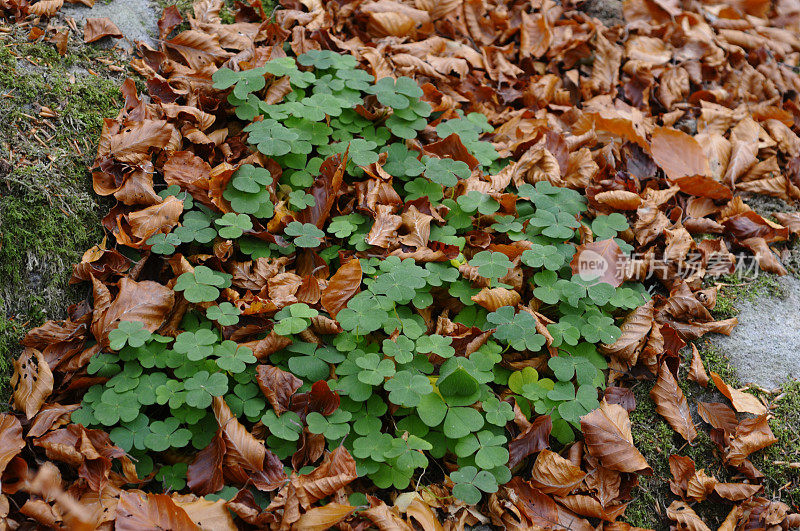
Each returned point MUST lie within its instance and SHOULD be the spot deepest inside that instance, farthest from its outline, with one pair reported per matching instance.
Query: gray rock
(136, 19)
(764, 348)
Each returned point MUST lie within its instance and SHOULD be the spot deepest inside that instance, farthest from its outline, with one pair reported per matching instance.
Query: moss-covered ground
(49, 214)
(779, 463)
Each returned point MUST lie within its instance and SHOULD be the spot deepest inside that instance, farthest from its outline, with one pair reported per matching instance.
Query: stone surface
(765, 347)
(136, 19)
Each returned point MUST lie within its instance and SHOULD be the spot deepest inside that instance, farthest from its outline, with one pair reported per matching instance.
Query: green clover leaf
(516, 330)
(306, 235)
(406, 388)
(287, 427)
(233, 357)
(196, 345)
(196, 226)
(233, 225)
(202, 284)
(498, 412)
(491, 264)
(332, 427)
(202, 386)
(546, 256)
(469, 482)
(374, 369)
(475, 201)
(167, 434)
(446, 172)
(132, 333)
(226, 314)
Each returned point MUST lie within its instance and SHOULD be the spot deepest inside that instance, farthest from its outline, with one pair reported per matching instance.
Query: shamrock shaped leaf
(114, 406)
(362, 152)
(406, 388)
(363, 314)
(294, 318)
(600, 329)
(477, 201)
(374, 447)
(226, 314)
(299, 200)
(402, 162)
(305, 235)
(173, 477)
(517, 330)
(543, 255)
(103, 364)
(332, 427)
(420, 187)
(287, 427)
(486, 447)
(271, 137)
(163, 243)
(132, 333)
(233, 225)
(435, 344)
(396, 94)
(446, 171)
(202, 284)
(491, 264)
(605, 227)
(344, 226)
(247, 191)
(243, 82)
(167, 434)
(172, 393)
(132, 434)
(196, 226)
(498, 412)
(564, 331)
(325, 59)
(202, 386)
(399, 279)
(374, 369)
(507, 224)
(559, 225)
(233, 357)
(461, 421)
(469, 482)
(196, 345)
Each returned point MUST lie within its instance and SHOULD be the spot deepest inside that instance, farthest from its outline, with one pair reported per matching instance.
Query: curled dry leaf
(325, 517)
(718, 415)
(278, 386)
(10, 439)
(147, 302)
(32, 382)
(345, 283)
(672, 405)
(686, 518)
(137, 510)
(750, 436)
(535, 438)
(742, 402)
(494, 298)
(607, 431)
(246, 459)
(697, 373)
(97, 28)
(204, 475)
(552, 474)
(678, 154)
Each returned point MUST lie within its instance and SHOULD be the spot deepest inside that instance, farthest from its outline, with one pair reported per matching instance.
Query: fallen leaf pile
(662, 123)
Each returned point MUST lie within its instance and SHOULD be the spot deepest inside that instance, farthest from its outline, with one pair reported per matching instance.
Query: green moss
(49, 214)
(779, 462)
(734, 289)
(656, 440)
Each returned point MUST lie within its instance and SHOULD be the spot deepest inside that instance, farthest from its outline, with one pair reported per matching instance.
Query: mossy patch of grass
(734, 289)
(49, 214)
(656, 440)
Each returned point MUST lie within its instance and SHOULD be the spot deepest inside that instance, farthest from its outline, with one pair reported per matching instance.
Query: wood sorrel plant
(407, 300)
